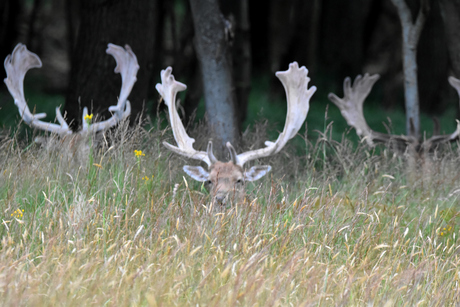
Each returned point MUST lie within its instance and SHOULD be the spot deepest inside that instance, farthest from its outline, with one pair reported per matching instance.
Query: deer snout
(221, 198)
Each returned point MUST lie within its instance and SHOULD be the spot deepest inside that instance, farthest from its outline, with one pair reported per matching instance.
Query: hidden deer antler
(351, 107)
(230, 177)
(21, 60)
(168, 89)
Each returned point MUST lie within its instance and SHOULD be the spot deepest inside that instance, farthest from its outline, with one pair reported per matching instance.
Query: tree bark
(9, 17)
(238, 13)
(433, 64)
(211, 44)
(343, 26)
(259, 12)
(186, 65)
(93, 82)
(411, 34)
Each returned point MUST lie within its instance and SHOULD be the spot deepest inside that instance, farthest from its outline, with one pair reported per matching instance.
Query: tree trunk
(259, 12)
(433, 64)
(9, 15)
(343, 26)
(213, 53)
(411, 34)
(238, 13)
(93, 82)
(303, 43)
(281, 30)
(186, 65)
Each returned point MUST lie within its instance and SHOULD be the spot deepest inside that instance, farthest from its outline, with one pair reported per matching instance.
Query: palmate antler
(295, 81)
(227, 178)
(351, 107)
(21, 60)
(168, 89)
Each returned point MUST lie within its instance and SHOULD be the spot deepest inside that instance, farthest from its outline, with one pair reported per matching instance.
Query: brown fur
(227, 181)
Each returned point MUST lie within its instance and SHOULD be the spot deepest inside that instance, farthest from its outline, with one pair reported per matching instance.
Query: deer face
(226, 180)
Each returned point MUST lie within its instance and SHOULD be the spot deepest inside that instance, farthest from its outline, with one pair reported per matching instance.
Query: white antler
(168, 89)
(455, 83)
(351, 107)
(21, 60)
(436, 139)
(127, 66)
(295, 81)
(16, 65)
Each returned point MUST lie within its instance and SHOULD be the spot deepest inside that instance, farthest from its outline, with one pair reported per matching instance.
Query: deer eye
(239, 181)
(208, 182)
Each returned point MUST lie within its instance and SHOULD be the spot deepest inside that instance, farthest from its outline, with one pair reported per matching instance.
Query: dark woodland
(225, 45)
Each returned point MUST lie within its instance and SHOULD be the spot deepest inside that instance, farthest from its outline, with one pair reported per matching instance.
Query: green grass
(341, 224)
(334, 223)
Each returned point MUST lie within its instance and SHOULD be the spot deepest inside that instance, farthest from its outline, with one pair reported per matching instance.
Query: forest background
(332, 38)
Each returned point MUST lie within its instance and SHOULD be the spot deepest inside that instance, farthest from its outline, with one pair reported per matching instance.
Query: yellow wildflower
(18, 213)
(139, 153)
(88, 117)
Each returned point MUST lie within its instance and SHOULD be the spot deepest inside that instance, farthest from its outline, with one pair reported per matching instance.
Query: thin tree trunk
(342, 27)
(411, 34)
(186, 65)
(313, 34)
(213, 54)
(70, 27)
(32, 22)
(93, 82)
(433, 63)
(238, 13)
(9, 15)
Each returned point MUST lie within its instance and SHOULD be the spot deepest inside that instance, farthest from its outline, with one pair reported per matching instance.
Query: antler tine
(168, 89)
(351, 105)
(127, 66)
(295, 81)
(16, 65)
(455, 83)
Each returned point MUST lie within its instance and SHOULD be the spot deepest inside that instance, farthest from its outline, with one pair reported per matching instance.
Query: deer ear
(196, 172)
(256, 172)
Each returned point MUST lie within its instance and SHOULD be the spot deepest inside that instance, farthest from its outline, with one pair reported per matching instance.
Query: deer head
(227, 179)
(351, 107)
(21, 60)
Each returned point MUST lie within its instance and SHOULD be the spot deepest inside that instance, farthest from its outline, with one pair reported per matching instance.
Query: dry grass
(333, 226)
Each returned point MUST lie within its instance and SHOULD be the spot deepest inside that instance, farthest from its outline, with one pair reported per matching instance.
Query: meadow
(338, 225)
(335, 223)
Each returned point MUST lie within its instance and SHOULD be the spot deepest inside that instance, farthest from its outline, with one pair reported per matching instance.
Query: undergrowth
(332, 224)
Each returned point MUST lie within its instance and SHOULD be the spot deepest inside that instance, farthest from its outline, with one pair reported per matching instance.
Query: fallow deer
(351, 107)
(227, 179)
(21, 60)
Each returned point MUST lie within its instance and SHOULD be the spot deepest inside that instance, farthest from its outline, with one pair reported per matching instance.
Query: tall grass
(333, 224)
